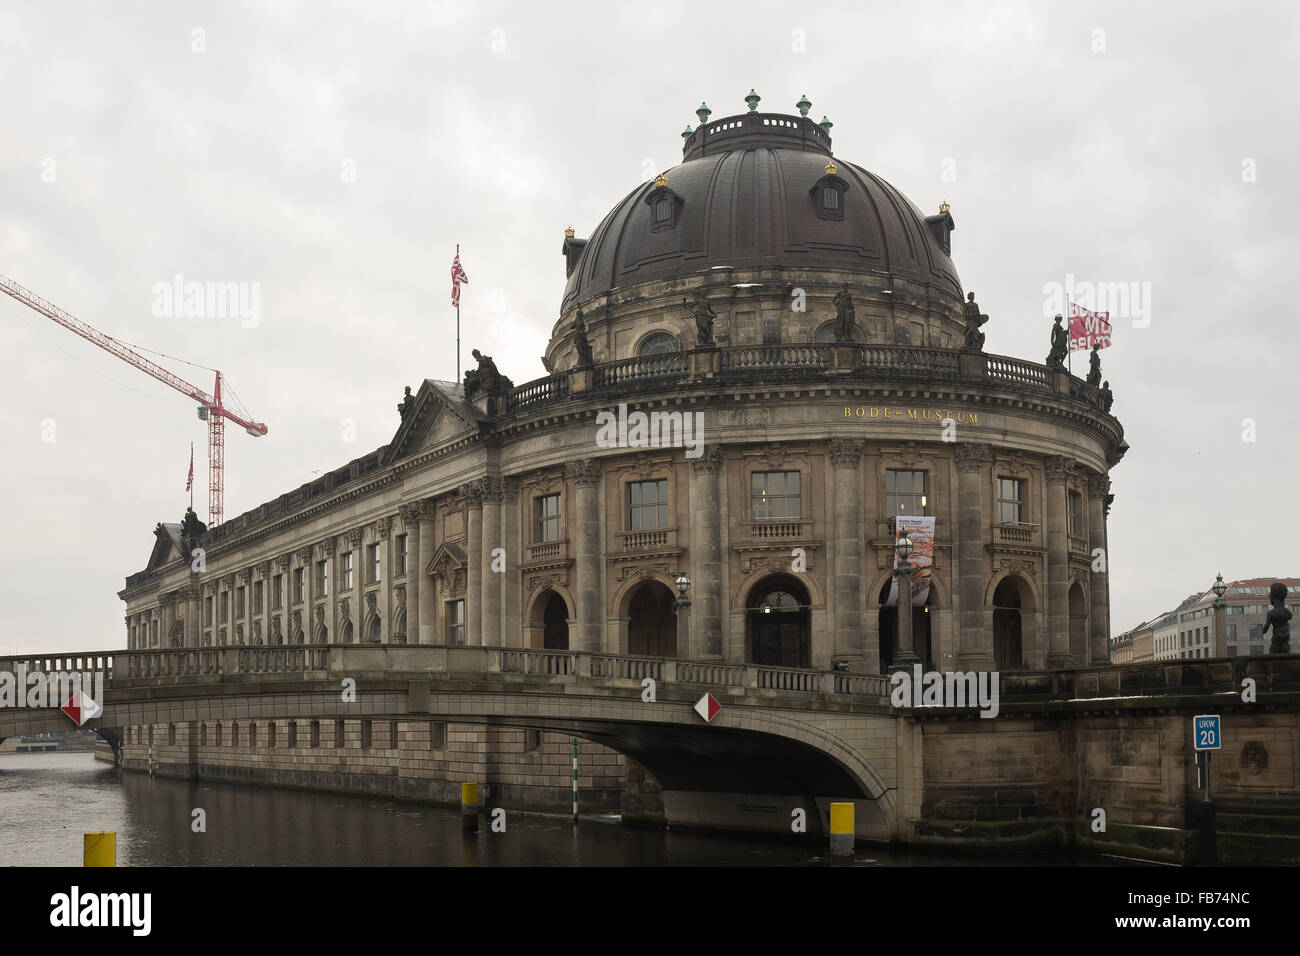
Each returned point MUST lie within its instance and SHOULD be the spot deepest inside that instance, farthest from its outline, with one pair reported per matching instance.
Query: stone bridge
(1063, 744)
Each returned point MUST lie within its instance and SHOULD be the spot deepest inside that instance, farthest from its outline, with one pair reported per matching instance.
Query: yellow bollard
(99, 849)
(842, 829)
(469, 806)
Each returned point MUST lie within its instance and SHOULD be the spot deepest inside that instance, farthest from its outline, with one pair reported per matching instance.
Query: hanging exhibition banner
(920, 529)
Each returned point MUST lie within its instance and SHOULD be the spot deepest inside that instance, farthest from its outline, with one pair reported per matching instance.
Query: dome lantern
(703, 113)
(804, 105)
(752, 99)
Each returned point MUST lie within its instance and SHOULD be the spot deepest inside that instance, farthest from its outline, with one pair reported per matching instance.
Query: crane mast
(211, 409)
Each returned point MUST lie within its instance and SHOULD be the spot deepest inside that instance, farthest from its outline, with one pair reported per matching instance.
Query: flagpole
(1069, 352)
(191, 482)
(458, 323)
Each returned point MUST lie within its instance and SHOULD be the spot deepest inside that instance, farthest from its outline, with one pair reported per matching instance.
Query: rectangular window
(437, 736)
(340, 733)
(153, 634)
(906, 493)
(322, 579)
(831, 198)
(401, 555)
(298, 574)
(366, 734)
(1256, 632)
(345, 574)
(224, 601)
(1257, 648)
(1011, 500)
(394, 740)
(532, 740)
(663, 212)
(775, 495)
(239, 602)
(1074, 513)
(277, 592)
(647, 505)
(257, 597)
(293, 735)
(456, 622)
(372, 564)
(546, 509)
(1232, 632)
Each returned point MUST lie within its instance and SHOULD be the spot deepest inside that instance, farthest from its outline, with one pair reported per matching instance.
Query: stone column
(331, 595)
(244, 579)
(512, 598)
(846, 462)
(384, 608)
(411, 527)
(308, 566)
(422, 615)
(586, 477)
(704, 641)
(192, 597)
(493, 579)
(1058, 565)
(264, 615)
(473, 494)
(284, 635)
(974, 640)
(1099, 592)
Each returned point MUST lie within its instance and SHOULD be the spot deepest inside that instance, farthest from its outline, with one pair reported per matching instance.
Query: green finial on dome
(826, 125)
(804, 105)
(752, 99)
(703, 113)
(686, 133)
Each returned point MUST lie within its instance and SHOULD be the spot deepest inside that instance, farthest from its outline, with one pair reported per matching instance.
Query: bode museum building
(763, 357)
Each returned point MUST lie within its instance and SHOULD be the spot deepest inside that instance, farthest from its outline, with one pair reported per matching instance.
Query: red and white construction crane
(211, 408)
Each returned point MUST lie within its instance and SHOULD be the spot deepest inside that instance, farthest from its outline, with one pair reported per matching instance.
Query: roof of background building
(1248, 590)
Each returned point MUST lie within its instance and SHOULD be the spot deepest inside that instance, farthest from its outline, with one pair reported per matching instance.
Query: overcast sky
(335, 153)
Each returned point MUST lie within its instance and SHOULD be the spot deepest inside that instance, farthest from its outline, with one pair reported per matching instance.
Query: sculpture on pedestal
(581, 343)
(1094, 367)
(1060, 346)
(704, 316)
(845, 316)
(974, 337)
(1279, 619)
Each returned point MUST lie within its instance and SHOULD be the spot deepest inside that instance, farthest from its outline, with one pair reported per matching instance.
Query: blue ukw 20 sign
(1205, 732)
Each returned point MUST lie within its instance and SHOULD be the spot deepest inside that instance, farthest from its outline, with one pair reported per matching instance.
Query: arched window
(658, 343)
(373, 632)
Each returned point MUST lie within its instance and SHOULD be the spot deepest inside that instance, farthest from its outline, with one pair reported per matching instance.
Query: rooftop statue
(1094, 367)
(485, 378)
(704, 316)
(581, 342)
(1279, 618)
(845, 316)
(404, 405)
(192, 529)
(1060, 346)
(974, 337)
(1107, 399)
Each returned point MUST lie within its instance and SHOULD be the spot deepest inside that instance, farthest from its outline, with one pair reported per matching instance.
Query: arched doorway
(922, 630)
(779, 632)
(555, 624)
(1078, 624)
(652, 622)
(1008, 625)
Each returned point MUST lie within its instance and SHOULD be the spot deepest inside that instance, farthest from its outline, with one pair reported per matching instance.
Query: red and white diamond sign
(707, 707)
(81, 707)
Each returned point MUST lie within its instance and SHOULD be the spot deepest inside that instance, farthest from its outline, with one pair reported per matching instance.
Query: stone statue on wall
(581, 343)
(1060, 346)
(974, 337)
(404, 405)
(1279, 619)
(704, 317)
(485, 378)
(846, 318)
(1107, 399)
(1094, 367)
(192, 531)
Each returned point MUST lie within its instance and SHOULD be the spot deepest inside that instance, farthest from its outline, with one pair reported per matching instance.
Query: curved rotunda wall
(745, 228)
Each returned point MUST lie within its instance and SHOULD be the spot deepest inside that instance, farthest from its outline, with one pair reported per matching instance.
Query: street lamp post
(682, 607)
(904, 656)
(1220, 618)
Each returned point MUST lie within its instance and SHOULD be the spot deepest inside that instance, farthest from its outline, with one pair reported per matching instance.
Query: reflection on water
(48, 800)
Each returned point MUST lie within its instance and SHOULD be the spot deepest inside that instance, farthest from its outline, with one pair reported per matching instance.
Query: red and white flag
(457, 277)
(1088, 328)
(189, 482)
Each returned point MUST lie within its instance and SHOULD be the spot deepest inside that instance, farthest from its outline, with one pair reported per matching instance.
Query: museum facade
(763, 357)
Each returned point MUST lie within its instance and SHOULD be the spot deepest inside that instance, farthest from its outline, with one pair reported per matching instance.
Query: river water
(48, 800)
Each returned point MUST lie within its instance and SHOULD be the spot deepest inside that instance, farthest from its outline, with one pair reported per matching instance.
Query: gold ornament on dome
(568, 233)
(831, 169)
(661, 180)
(943, 207)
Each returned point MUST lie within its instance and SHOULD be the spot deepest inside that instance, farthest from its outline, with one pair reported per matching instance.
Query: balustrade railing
(641, 367)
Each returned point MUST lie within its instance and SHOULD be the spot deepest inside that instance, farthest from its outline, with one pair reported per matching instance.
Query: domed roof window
(828, 194)
(658, 343)
(663, 203)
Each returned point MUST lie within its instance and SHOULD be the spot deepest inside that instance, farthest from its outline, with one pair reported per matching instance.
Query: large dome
(749, 195)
